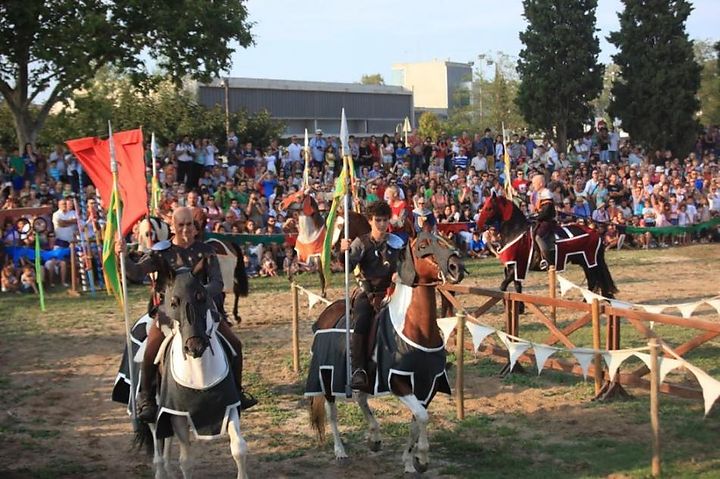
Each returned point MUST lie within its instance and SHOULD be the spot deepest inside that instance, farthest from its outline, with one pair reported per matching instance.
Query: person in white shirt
(210, 152)
(294, 151)
(185, 152)
(614, 144)
(479, 162)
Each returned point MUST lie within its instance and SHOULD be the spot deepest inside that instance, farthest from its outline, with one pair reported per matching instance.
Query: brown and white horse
(408, 356)
(312, 230)
(519, 254)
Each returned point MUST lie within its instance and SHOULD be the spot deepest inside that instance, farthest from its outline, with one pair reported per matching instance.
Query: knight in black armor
(185, 250)
(545, 216)
(377, 262)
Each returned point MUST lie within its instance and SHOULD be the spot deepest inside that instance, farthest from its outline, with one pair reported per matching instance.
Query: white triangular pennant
(614, 359)
(653, 308)
(447, 325)
(584, 357)
(478, 333)
(503, 337)
(565, 285)
(667, 365)
(617, 304)
(542, 354)
(710, 386)
(686, 309)
(644, 358)
(515, 350)
(313, 299)
(589, 295)
(715, 303)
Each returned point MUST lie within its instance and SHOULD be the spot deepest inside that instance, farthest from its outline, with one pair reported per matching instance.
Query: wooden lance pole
(295, 327)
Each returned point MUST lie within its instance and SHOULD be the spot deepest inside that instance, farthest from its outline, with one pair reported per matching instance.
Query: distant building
(434, 84)
(370, 109)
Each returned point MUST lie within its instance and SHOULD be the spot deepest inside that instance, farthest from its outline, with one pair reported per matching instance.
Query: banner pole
(123, 279)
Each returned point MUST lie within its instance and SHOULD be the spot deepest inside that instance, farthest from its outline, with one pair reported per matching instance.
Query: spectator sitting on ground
(9, 279)
(28, 284)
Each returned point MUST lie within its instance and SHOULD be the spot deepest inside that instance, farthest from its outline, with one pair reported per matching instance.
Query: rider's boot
(359, 362)
(247, 400)
(146, 406)
(545, 259)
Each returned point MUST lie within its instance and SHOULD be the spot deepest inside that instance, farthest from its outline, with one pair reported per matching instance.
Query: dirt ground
(57, 371)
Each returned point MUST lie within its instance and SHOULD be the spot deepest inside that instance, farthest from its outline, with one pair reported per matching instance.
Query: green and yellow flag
(110, 271)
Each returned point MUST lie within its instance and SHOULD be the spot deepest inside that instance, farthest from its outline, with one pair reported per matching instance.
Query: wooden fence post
(73, 271)
(460, 365)
(654, 406)
(295, 327)
(595, 311)
(552, 289)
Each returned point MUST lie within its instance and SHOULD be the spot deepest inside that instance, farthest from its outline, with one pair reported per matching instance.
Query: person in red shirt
(520, 184)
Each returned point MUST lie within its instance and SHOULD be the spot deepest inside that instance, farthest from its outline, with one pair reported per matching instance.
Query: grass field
(57, 370)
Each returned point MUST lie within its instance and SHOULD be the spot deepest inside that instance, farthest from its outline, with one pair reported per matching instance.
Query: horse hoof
(342, 461)
(375, 446)
(419, 467)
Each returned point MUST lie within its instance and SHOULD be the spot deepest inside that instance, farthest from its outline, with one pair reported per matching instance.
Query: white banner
(565, 285)
(542, 354)
(614, 359)
(584, 357)
(710, 386)
(687, 309)
(478, 333)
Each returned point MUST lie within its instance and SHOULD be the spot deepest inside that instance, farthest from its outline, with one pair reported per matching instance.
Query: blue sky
(340, 40)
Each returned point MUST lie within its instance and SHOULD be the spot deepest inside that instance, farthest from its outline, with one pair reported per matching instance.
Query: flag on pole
(94, 155)
(110, 272)
(306, 158)
(39, 272)
(338, 195)
(509, 190)
(155, 184)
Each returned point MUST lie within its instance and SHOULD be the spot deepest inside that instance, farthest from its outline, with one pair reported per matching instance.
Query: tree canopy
(51, 47)
(374, 79)
(706, 54)
(559, 70)
(655, 96)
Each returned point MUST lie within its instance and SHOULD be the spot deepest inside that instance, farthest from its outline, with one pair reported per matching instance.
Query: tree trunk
(562, 137)
(25, 128)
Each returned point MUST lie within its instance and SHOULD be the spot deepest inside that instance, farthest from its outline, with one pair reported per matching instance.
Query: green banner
(674, 230)
(242, 239)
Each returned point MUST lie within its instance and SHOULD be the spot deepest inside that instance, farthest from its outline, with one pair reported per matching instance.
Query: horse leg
(407, 455)
(236, 316)
(166, 458)
(181, 430)
(518, 289)
(158, 446)
(331, 412)
(323, 285)
(420, 459)
(508, 278)
(238, 446)
(374, 440)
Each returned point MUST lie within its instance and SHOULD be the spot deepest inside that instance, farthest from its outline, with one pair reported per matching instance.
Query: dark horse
(229, 254)
(312, 230)
(197, 390)
(408, 352)
(575, 243)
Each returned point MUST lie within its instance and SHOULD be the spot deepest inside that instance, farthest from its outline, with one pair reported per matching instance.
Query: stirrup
(146, 409)
(247, 400)
(359, 379)
(544, 264)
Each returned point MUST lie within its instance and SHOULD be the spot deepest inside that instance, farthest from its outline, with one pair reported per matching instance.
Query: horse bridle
(420, 251)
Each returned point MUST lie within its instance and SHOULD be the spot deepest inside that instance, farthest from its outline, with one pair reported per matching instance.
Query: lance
(346, 227)
(123, 277)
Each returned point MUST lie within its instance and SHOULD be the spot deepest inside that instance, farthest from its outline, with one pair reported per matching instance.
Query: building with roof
(370, 109)
(434, 83)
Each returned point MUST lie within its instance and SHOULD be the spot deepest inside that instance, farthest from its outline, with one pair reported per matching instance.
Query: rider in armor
(184, 251)
(545, 217)
(377, 261)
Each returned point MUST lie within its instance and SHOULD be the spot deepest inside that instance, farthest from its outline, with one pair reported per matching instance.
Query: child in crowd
(476, 246)
(9, 279)
(268, 267)
(27, 280)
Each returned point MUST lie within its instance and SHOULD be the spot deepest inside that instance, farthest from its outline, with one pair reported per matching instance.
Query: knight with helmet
(545, 218)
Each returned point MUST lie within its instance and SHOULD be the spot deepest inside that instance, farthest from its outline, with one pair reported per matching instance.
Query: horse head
(428, 260)
(187, 303)
(495, 208)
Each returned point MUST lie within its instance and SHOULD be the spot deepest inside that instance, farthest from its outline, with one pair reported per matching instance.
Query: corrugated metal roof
(270, 84)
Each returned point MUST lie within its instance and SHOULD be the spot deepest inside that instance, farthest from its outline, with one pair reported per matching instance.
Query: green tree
(602, 102)
(374, 79)
(655, 96)
(706, 54)
(52, 47)
(558, 66)
(429, 125)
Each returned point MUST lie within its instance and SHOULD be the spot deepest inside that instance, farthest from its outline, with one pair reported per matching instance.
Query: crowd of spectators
(602, 179)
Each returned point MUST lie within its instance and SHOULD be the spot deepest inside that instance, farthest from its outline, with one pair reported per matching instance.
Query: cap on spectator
(318, 131)
(566, 201)
(659, 169)
(600, 205)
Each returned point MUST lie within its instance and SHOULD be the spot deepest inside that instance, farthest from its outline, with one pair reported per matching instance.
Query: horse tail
(607, 283)
(143, 439)
(242, 284)
(318, 416)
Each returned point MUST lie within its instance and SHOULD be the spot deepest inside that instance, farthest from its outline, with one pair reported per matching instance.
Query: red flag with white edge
(94, 155)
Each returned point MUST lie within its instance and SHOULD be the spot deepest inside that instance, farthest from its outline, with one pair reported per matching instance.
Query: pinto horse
(408, 356)
(312, 230)
(230, 258)
(519, 253)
